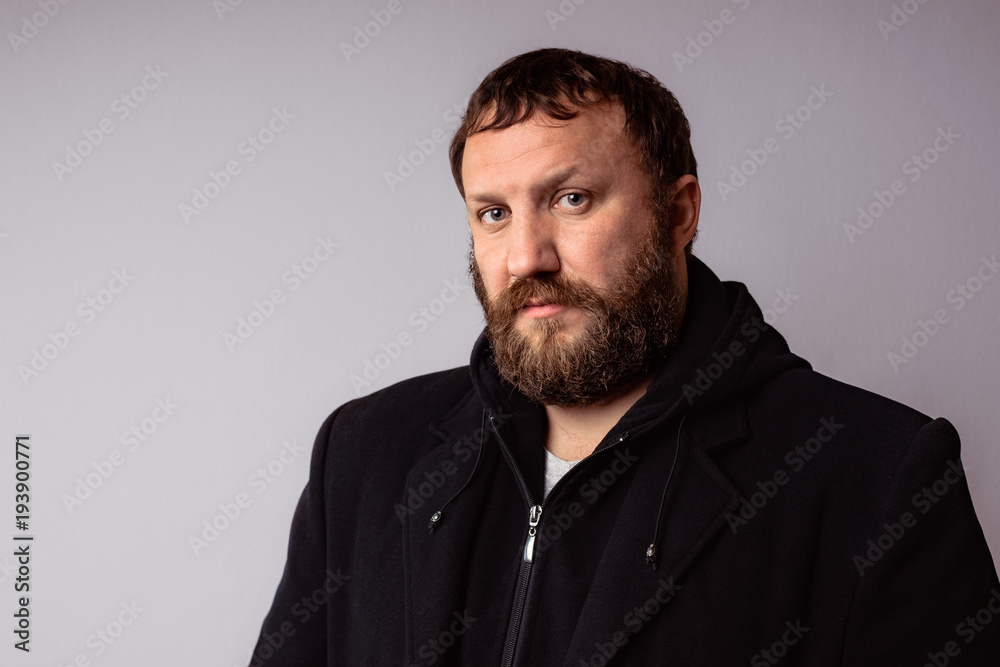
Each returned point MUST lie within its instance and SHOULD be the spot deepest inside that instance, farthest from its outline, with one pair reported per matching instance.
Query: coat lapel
(435, 571)
(462, 570)
(437, 566)
(696, 506)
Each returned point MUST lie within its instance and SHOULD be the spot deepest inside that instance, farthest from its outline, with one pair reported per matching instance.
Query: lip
(537, 310)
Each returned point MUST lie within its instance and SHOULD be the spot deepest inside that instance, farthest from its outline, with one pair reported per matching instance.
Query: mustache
(555, 289)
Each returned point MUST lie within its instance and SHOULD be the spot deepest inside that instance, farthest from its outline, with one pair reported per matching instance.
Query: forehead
(592, 140)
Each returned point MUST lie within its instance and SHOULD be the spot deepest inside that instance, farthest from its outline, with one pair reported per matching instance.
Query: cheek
(624, 239)
(594, 257)
(492, 269)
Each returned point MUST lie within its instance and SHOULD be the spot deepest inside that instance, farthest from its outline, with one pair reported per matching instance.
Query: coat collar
(696, 503)
(696, 507)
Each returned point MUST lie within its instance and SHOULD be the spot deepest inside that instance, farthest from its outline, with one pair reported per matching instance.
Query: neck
(575, 432)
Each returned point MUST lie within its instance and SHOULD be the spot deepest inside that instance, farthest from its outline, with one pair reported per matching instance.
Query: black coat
(745, 510)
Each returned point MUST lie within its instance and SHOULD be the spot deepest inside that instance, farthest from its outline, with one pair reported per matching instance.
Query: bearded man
(634, 469)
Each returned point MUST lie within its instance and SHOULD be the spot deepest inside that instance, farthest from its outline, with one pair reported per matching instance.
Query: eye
(573, 200)
(493, 215)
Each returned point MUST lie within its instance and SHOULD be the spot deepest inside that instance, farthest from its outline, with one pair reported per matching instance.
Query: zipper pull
(534, 516)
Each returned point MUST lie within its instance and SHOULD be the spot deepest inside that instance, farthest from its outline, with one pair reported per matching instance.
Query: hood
(725, 349)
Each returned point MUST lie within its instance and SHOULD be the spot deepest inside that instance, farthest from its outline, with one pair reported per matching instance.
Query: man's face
(573, 272)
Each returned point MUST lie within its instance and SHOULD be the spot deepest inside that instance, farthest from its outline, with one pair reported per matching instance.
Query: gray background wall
(346, 122)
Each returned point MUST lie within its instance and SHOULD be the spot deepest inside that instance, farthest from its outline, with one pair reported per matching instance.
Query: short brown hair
(559, 82)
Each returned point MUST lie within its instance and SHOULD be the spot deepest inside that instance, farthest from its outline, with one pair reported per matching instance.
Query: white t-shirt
(555, 468)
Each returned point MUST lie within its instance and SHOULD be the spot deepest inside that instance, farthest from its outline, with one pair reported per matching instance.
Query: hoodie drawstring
(438, 516)
(652, 551)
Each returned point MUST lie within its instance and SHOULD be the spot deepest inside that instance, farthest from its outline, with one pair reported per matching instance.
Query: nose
(531, 246)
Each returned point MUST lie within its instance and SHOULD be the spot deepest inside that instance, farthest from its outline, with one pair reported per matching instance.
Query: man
(634, 469)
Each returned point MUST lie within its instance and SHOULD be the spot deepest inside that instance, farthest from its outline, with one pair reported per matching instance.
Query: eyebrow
(547, 183)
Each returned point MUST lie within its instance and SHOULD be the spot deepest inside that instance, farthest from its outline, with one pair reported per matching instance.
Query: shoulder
(395, 426)
(422, 398)
(805, 393)
(848, 440)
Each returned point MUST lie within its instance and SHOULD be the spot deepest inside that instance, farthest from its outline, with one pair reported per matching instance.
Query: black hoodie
(745, 510)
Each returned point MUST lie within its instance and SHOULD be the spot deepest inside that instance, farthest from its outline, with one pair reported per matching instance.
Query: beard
(625, 332)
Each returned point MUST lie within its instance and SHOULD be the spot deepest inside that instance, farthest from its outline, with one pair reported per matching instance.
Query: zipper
(524, 573)
(534, 518)
(523, 577)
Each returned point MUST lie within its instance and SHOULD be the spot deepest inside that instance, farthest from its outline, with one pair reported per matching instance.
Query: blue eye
(574, 199)
(493, 215)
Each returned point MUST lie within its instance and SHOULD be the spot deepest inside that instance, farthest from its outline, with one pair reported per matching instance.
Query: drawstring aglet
(435, 520)
(651, 556)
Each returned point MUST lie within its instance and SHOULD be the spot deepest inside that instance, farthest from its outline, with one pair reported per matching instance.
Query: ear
(687, 197)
